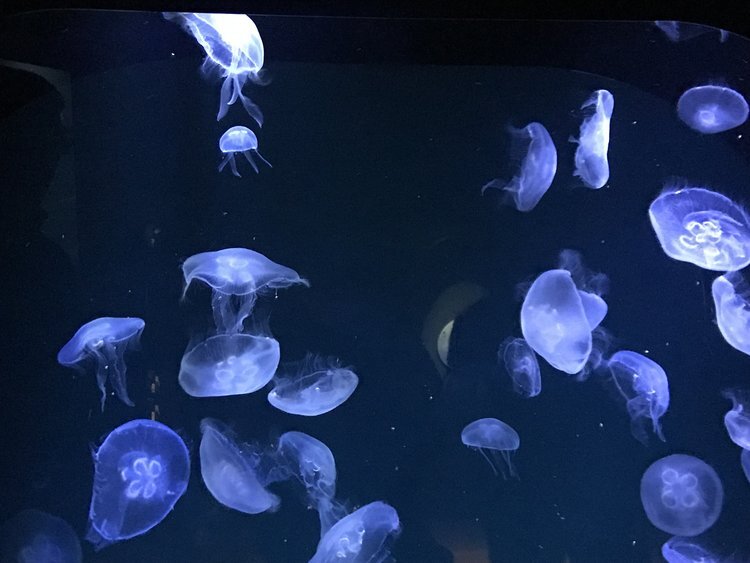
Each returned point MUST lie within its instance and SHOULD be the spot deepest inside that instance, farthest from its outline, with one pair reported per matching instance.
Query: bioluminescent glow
(731, 294)
(712, 109)
(591, 161)
(239, 140)
(522, 366)
(495, 440)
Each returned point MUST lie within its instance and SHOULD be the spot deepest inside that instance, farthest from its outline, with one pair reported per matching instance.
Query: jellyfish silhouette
(712, 109)
(33, 536)
(493, 436)
(239, 140)
(104, 340)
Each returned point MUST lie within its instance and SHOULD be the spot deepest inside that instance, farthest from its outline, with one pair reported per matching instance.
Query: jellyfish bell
(731, 295)
(496, 438)
(239, 140)
(591, 161)
(712, 109)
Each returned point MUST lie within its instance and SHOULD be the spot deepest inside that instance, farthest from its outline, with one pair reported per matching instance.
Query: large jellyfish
(522, 366)
(494, 437)
(233, 47)
(737, 420)
(591, 286)
(730, 293)
(537, 170)
(104, 341)
(712, 109)
(239, 139)
(229, 364)
(702, 227)
(237, 276)
(33, 536)
(361, 537)
(141, 471)
(591, 162)
(312, 387)
(685, 550)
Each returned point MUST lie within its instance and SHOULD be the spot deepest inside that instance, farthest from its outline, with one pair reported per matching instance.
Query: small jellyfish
(677, 31)
(313, 386)
(522, 366)
(745, 463)
(644, 386)
(737, 420)
(229, 364)
(712, 109)
(363, 536)
(494, 437)
(537, 170)
(730, 293)
(239, 139)
(682, 495)
(702, 227)
(104, 340)
(233, 472)
(685, 550)
(140, 471)
(591, 163)
(237, 276)
(33, 536)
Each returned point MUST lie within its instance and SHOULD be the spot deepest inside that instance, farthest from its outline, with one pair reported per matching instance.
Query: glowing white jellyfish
(591, 162)
(712, 109)
(239, 140)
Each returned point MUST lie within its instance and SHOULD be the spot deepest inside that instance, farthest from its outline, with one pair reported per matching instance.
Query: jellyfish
(537, 170)
(730, 293)
(140, 471)
(644, 386)
(237, 276)
(745, 463)
(33, 536)
(229, 364)
(591, 286)
(737, 420)
(234, 473)
(313, 387)
(712, 109)
(677, 31)
(361, 537)
(104, 340)
(522, 366)
(685, 550)
(239, 139)
(702, 227)
(591, 164)
(494, 437)
(233, 48)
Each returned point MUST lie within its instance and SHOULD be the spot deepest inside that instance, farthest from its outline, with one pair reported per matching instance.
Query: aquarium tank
(288, 288)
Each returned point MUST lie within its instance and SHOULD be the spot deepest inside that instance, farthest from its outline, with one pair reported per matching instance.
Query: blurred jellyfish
(730, 293)
(737, 420)
(745, 462)
(522, 366)
(361, 537)
(234, 473)
(233, 48)
(712, 109)
(33, 536)
(537, 170)
(140, 471)
(677, 31)
(494, 437)
(104, 340)
(312, 387)
(239, 139)
(644, 386)
(685, 550)
(702, 227)
(237, 276)
(591, 161)
(682, 495)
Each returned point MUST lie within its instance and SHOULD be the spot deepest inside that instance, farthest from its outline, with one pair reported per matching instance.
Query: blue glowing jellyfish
(702, 227)
(591, 162)
(685, 550)
(745, 462)
(712, 109)
(361, 537)
(140, 471)
(591, 286)
(33, 536)
(677, 31)
(737, 420)
(537, 170)
(234, 473)
(104, 342)
(522, 366)
(233, 48)
(229, 364)
(682, 495)
(494, 437)
(237, 276)
(239, 139)
(314, 386)
(644, 386)
(730, 293)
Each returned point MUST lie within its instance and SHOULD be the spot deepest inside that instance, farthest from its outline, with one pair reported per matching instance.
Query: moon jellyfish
(730, 293)
(737, 420)
(537, 170)
(104, 341)
(494, 437)
(591, 164)
(644, 386)
(712, 109)
(745, 462)
(361, 537)
(233, 48)
(315, 386)
(33, 536)
(684, 550)
(522, 366)
(682, 495)
(677, 31)
(591, 286)
(239, 139)
(234, 472)
(140, 471)
(237, 276)
(702, 227)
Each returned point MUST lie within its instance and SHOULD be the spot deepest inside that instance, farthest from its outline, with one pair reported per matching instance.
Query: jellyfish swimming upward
(591, 161)
(239, 140)
(494, 437)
